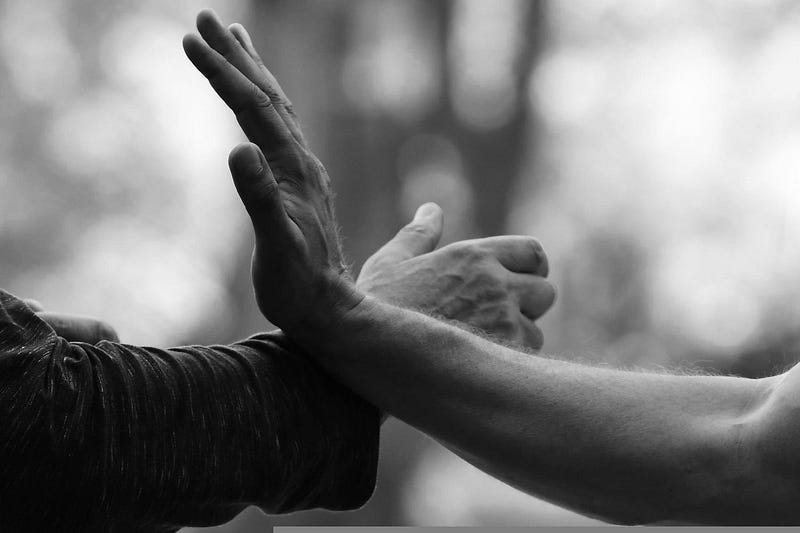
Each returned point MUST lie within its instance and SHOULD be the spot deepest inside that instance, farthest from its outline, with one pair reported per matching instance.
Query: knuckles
(254, 101)
(490, 297)
(487, 284)
(482, 278)
(473, 287)
(466, 253)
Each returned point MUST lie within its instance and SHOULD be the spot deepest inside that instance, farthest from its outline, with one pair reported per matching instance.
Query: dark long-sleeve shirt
(122, 438)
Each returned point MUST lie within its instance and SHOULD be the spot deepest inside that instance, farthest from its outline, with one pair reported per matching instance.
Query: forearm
(625, 446)
(114, 436)
(222, 427)
(603, 443)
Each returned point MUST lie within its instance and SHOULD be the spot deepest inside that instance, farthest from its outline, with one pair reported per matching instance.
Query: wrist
(333, 306)
(383, 291)
(334, 333)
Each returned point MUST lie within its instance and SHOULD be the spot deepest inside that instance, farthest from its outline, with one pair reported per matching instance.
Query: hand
(496, 285)
(299, 285)
(299, 271)
(75, 328)
(226, 57)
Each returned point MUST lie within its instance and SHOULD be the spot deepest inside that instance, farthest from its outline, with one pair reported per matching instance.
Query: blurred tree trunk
(306, 43)
(493, 158)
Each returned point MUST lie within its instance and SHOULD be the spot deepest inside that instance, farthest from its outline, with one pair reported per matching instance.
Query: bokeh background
(652, 145)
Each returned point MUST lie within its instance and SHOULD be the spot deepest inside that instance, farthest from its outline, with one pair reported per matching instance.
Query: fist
(496, 285)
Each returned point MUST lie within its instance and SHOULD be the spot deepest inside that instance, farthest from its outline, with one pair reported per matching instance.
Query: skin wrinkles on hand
(407, 270)
(625, 446)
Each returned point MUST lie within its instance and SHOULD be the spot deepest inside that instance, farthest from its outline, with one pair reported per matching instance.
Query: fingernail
(248, 160)
(426, 210)
(242, 31)
(246, 36)
(211, 14)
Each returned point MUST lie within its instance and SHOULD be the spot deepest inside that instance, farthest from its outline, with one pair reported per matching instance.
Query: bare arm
(623, 446)
(627, 447)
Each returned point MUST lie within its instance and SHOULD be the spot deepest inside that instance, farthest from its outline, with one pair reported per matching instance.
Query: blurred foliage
(651, 145)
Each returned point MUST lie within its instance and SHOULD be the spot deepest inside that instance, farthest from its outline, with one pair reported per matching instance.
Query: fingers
(518, 253)
(224, 43)
(418, 237)
(247, 61)
(269, 84)
(253, 109)
(78, 328)
(259, 191)
(535, 294)
(75, 328)
(273, 88)
(33, 304)
(532, 336)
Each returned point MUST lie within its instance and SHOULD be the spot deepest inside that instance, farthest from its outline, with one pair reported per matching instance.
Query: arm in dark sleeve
(124, 438)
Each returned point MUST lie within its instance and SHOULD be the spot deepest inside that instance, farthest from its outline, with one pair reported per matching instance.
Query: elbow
(744, 469)
(748, 481)
(717, 479)
(738, 468)
(768, 460)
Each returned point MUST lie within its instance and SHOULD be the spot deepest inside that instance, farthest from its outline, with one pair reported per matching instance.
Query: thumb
(75, 328)
(258, 190)
(33, 304)
(418, 237)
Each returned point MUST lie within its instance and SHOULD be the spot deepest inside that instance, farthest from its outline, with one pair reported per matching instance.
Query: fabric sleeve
(113, 437)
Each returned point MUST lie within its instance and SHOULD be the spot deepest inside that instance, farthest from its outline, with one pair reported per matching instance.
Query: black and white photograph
(404, 263)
